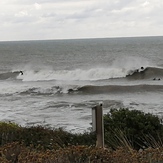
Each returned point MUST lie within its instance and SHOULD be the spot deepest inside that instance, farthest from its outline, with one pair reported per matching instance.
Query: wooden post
(98, 126)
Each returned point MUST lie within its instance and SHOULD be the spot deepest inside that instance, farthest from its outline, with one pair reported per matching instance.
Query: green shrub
(131, 127)
(8, 132)
(42, 138)
(85, 138)
(54, 138)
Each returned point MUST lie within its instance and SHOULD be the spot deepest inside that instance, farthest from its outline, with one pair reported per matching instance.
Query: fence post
(98, 124)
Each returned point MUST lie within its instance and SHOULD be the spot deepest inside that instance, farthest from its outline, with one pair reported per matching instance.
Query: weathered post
(97, 124)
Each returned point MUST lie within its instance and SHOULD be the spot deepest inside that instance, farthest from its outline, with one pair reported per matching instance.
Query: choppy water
(63, 79)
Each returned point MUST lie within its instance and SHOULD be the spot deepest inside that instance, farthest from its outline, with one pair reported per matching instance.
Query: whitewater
(63, 79)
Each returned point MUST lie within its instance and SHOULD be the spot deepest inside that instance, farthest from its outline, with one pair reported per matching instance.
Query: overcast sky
(67, 19)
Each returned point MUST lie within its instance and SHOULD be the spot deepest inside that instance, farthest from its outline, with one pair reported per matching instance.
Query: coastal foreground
(133, 136)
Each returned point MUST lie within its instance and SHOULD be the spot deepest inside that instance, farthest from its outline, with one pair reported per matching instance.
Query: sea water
(63, 79)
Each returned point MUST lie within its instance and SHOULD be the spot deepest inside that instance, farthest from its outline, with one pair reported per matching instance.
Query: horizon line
(86, 38)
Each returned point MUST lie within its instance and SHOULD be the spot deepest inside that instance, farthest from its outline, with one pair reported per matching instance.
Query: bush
(133, 128)
(123, 128)
(42, 138)
(8, 132)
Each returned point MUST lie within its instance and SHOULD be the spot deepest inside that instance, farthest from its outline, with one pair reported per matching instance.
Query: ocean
(62, 80)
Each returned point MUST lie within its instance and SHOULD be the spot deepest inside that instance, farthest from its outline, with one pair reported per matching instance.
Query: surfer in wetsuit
(139, 70)
(21, 72)
(142, 68)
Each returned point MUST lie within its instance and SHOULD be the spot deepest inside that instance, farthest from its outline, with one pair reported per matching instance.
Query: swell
(120, 89)
(87, 89)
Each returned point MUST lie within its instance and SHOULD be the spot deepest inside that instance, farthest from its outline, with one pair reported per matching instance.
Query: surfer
(139, 70)
(21, 72)
(142, 70)
(156, 79)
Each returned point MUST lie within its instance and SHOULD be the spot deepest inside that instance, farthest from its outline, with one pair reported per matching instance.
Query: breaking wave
(9, 75)
(48, 91)
(92, 74)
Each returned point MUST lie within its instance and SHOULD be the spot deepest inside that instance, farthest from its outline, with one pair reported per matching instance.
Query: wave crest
(70, 75)
(92, 74)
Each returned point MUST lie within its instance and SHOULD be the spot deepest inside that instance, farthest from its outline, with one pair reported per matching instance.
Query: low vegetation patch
(130, 136)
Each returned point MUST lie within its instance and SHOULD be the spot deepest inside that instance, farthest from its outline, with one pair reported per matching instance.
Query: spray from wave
(93, 74)
(78, 74)
(118, 68)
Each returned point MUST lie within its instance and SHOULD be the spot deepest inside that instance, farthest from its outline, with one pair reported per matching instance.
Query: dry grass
(18, 153)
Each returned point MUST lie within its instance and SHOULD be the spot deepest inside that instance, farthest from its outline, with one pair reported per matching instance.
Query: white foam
(9, 87)
(72, 75)
(117, 69)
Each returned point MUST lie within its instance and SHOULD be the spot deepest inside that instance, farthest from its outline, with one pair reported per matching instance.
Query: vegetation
(130, 136)
(41, 137)
(137, 129)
